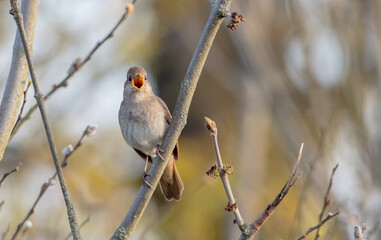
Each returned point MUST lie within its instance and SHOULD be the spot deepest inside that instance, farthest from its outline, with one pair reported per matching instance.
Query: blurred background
(295, 71)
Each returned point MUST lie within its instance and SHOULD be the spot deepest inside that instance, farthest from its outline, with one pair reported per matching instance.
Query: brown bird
(144, 119)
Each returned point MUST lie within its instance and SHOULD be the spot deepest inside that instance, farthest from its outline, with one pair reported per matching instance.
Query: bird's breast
(143, 127)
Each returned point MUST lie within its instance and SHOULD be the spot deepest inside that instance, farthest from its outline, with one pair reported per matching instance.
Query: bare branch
(80, 226)
(326, 200)
(18, 73)
(41, 105)
(359, 231)
(22, 107)
(50, 182)
(77, 65)
(178, 122)
(329, 216)
(232, 204)
(10, 172)
(261, 219)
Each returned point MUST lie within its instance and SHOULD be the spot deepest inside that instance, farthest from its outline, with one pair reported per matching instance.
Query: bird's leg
(145, 174)
(159, 150)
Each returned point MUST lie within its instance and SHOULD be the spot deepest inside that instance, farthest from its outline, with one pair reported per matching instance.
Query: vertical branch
(17, 75)
(179, 119)
(41, 104)
(326, 200)
(223, 171)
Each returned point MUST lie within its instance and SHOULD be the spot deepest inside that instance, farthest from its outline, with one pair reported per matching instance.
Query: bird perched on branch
(144, 119)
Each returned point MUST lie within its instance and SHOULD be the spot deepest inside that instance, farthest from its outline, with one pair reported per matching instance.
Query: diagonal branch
(326, 200)
(76, 66)
(10, 172)
(261, 219)
(41, 104)
(179, 119)
(90, 130)
(311, 229)
(223, 173)
(22, 107)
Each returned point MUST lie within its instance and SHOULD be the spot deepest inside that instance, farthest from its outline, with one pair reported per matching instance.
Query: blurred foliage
(295, 71)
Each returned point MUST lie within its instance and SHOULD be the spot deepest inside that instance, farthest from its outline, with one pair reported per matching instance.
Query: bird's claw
(145, 181)
(159, 150)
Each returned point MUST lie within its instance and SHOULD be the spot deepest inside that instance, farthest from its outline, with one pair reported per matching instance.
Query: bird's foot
(145, 175)
(159, 150)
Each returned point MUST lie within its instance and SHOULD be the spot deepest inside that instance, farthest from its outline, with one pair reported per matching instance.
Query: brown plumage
(144, 119)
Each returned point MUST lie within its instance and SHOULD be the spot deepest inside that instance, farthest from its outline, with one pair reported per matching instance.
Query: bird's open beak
(138, 82)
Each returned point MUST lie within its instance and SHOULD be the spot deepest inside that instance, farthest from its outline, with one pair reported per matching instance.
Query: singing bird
(144, 119)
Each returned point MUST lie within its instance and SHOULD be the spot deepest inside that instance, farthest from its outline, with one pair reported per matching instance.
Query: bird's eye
(145, 78)
(129, 78)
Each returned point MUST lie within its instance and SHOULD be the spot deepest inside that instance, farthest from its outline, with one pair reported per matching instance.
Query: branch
(80, 226)
(359, 231)
(89, 131)
(223, 171)
(22, 107)
(8, 173)
(178, 122)
(261, 219)
(15, 11)
(326, 200)
(329, 216)
(77, 65)
(18, 73)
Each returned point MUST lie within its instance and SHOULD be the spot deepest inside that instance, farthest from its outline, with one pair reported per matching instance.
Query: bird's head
(136, 82)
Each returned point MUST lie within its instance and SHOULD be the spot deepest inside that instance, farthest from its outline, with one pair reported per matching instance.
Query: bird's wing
(168, 118)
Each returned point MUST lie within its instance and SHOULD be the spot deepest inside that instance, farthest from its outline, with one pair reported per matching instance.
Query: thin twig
(359, 231)
(232, 204)
(326, 200)
(311, 229)
(76, 66)
(187, 89)
(253, 228)
(22, 106)
(10, 172)
(41, 105)
(80, 226)
(51, 181)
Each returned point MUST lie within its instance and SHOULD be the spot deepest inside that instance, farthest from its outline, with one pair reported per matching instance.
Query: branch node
(75, 66)
(67, 150)
(228, 169)
(235, 20)
(231, 206)
(211, 126)
(91, 130)
(214, 171)
(130, 8)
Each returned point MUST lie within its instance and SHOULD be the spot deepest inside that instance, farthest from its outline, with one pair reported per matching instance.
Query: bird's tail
(170, 182)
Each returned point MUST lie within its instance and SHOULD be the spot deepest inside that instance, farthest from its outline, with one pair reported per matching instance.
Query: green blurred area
(295, 71)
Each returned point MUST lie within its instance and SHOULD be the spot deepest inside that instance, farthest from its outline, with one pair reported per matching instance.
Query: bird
(144, 119)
